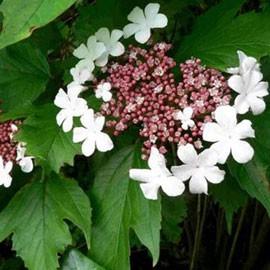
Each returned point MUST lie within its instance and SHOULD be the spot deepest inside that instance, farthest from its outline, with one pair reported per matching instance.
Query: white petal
(257, 105)
(26, 164)
(7, 180)
(151, 10)
(88, 146)
(242, 151)
(131, 29)
(1, 164)
(244, 130)
(159, 21)
(117, 50)
(106, 86)
(150, 190)
(208, 158)
(88, 119)
(143, 36)
(80, 107)
(99, 123)
(222, 149)
(60, 117)
(236, 83)
(104, 142)
(8, 167)
(156, 160)
(103, 35)
(214, 174)
(233, 70)
(102, 60)
(241, 105)
(198, 184)
(187, 154)
(136, 15)
(261, 89)
(79, 134)
(212, 132)
(107, 96)
(188, 111)
(61, 99)
(183, 172)
(86, 64)
(68, 124)
(81, 52)
(142, 175)
(226, 117)
(172, 186)
(116, 35)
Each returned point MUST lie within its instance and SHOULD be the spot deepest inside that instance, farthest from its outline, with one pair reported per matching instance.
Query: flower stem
(236, 238)
(196, 240)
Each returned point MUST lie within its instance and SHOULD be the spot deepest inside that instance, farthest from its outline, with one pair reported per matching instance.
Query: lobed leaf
(35, 218)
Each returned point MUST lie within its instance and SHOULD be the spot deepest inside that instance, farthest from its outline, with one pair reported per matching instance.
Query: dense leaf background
(74, 213)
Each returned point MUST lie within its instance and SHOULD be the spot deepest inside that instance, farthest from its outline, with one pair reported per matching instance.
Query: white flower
(185, 117)
(228, 136)
(91, 134)
(103, 91)
(246, 63)
(157, 176)
(112, 44)
(199, 168)
(26, 163)
(143, 22)
(81, 74)
(251, 91)
(5, 169)
(71, 105)
(88, 54)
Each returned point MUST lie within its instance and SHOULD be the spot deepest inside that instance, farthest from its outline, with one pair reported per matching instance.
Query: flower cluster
(225, 133)
(145, 92)
(95, 53)
(11, 152)
(139, 87)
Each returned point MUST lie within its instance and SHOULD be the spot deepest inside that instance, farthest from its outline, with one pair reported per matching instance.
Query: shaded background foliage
(229, 229)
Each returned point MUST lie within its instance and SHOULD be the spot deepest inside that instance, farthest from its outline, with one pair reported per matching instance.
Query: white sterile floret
(247, 82)
(89, 53)
(91, 134)
(112, 44)
(81, 74)
(25, 162)
(157, 176)
(143, 22)
(228, 136)
(251, 90)
(246, 63)
(185, 117)
(71, 106)
(5, 169)
(199, 168)
(103, 91)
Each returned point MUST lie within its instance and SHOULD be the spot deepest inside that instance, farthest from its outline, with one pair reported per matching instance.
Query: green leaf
(45, 139)
(119, 206)
(21, 18)
(252, 177)
(174, 211)
(103, 13)
(219, 33)
(35, 218)
(77, 261)
(230, 197)
(24, 72)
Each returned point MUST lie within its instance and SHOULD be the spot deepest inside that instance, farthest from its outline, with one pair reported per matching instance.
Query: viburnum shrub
(150, 112)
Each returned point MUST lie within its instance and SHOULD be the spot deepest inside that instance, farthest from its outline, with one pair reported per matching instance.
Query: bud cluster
(145, 92)
(8, 148)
